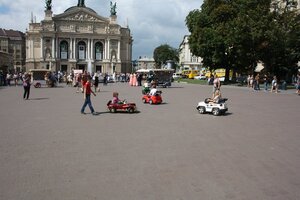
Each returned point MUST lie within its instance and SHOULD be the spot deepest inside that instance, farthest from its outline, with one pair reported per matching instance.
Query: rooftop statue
(113, 8)
(48, 4)
(80, 3)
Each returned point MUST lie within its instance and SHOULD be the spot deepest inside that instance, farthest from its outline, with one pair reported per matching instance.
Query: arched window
(64, 50)
(81, 50)
(99, 51)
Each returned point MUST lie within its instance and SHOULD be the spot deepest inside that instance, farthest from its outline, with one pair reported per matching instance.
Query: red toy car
(128, 107)
(154, 99)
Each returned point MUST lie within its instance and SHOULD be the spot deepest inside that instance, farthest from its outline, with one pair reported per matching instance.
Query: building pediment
(80, 14)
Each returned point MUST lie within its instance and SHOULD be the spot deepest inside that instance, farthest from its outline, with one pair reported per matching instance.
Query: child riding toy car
(153, 98)
(121, 106)
(117, 105)
(216, 108)
(146, 88)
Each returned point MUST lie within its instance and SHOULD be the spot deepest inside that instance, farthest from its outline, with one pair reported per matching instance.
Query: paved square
(48, 150)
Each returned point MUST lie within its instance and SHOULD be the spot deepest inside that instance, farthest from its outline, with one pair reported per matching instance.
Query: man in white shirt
(153, 91)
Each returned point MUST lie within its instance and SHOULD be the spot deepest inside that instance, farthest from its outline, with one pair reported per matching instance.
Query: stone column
(42, 48)
(87, 50)
(105, 50)
(53, 48)
(119, 49)
(32, 48)
(92, 49)
(108, 49)
(57, 48)
(71, 49)
(74, 48)
(28, 47)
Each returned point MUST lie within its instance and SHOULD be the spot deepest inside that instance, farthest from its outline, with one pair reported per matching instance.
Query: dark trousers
(87, 102)
(26, 92)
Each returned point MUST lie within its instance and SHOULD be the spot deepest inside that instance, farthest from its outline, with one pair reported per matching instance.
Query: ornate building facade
(79, 38)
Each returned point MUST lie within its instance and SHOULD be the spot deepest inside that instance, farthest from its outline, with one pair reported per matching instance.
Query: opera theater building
(79, 38)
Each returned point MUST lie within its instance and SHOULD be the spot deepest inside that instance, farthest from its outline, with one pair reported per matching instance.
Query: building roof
(11, 34)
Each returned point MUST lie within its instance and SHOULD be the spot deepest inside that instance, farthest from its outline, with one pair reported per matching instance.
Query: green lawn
(192, 81)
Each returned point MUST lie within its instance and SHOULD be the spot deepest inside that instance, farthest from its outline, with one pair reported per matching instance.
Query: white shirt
(152, 91)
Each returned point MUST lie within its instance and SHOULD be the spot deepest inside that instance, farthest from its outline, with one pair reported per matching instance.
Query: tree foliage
(236, 34)
(164, 53)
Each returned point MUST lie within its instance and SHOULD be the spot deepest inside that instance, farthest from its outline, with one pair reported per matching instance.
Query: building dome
(74, 8)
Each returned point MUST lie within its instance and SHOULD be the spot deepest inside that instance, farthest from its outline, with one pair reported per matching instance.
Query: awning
(259, 67)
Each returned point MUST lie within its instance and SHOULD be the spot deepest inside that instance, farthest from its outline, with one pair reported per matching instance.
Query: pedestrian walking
(8, 78)
(96, 82)
(26, 86)
(16, 78)
(274, 86)
(248, 81)
(105, 79)
(256, 82)
(78, 82)
(87, 91)
(266, 82)
(139, 79)
(216, 83)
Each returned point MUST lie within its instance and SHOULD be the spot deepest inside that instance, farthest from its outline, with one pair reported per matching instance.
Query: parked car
(176, 76)
(200, 77)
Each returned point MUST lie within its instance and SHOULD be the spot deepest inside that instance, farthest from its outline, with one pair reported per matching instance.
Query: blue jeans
(266, 85)
(87, 102)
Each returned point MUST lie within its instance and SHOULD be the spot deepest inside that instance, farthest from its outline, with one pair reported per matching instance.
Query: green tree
(284, 49)
(237, 34)
(163, 53)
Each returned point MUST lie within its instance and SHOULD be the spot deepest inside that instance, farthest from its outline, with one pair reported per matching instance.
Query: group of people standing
(135, 79)
(254, 82)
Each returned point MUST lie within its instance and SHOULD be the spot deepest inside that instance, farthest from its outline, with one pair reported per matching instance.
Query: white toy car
(215, 108)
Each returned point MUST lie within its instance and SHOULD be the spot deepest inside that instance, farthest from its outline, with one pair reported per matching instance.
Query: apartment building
(13, 51)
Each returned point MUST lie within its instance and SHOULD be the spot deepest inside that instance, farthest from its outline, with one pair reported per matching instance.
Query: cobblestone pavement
(48, 150)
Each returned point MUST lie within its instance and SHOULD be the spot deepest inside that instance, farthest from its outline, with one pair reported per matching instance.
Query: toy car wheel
(113, 110)
(201, 110)
(144, 101)
(150, 101)
(216, 111)
(130, 110)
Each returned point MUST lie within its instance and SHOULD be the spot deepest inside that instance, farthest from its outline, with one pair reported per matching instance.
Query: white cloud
(152, 22)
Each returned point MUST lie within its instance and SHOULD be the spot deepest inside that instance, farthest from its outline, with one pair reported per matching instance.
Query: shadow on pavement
(37, 98)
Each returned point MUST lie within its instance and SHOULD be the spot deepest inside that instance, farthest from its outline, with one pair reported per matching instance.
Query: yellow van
(220, 72)
(193, 73)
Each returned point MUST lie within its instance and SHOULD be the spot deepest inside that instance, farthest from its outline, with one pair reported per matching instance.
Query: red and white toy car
(124, 106)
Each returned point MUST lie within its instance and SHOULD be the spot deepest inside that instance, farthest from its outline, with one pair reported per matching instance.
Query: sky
(152, 22)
